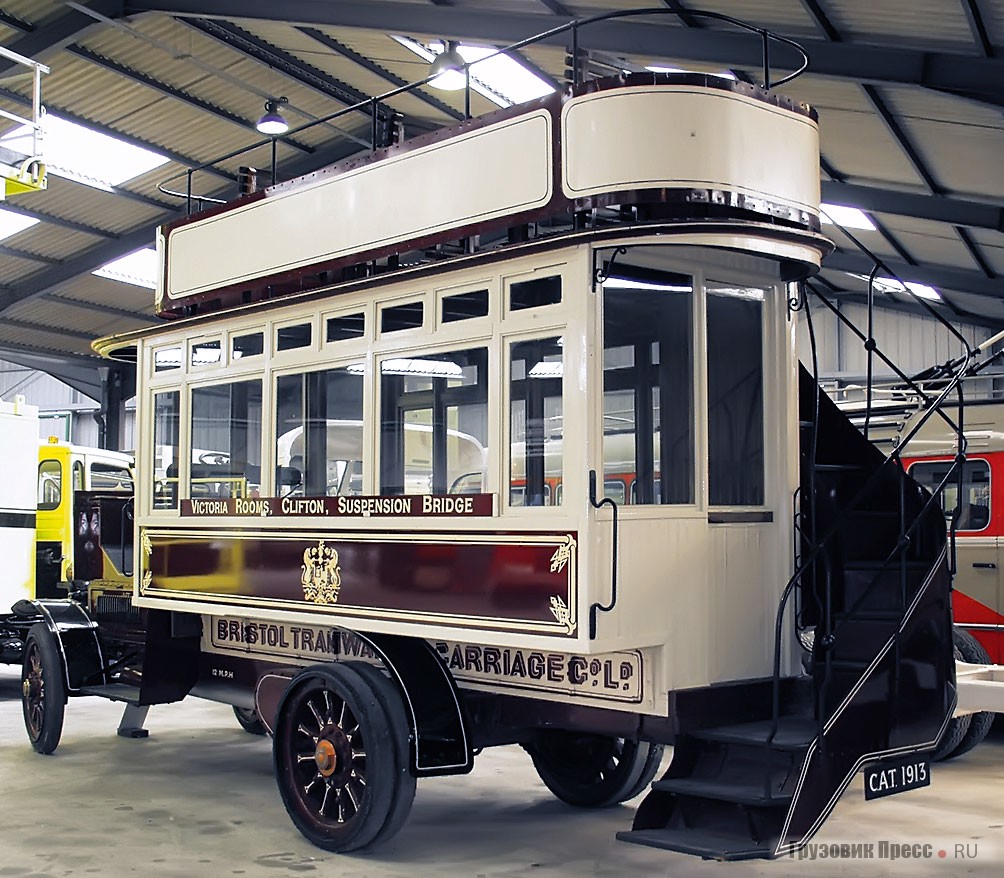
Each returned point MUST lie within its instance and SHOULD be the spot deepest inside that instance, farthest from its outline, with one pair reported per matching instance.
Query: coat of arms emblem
(320, 575)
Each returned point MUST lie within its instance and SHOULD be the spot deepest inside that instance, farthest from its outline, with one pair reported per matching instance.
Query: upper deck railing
(373, 105)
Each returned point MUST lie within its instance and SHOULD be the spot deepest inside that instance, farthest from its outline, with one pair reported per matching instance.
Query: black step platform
(701, 843)
(114, 692)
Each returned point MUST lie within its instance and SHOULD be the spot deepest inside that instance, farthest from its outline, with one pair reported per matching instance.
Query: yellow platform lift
(24, 170)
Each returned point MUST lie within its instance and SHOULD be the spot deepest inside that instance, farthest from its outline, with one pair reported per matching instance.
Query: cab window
(50, 484)
(974, 502)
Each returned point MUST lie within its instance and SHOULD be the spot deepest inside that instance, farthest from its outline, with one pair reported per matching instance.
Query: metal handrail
(962, 367)
(372, 104)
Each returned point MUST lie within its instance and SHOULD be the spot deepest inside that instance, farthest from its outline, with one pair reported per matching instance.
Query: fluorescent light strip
(11, 223)
(138, 268)
(86, 156)
(848, 217)
(500, 78)
(891, 285)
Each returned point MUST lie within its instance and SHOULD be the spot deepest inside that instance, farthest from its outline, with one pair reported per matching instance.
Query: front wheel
(593, 771)
(335, 757)
(43, 689)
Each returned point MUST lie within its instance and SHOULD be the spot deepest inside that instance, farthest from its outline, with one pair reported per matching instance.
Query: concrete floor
(197, 798)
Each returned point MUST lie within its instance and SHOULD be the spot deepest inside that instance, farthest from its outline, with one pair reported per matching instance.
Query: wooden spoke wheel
(335, 759)
(593, 771)
(43, 689)
(250, 721)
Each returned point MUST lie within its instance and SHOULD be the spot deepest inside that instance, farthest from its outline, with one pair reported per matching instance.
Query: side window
(166, 424)
(78, 475)
(434, 423)
(648, 370)
(50, 484)
(109, 477)
(536, 376)
(319, 433)
(226, 440)
(735, 395)
(974, 502)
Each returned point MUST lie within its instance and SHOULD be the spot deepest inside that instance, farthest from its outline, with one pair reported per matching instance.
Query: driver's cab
(65, 470)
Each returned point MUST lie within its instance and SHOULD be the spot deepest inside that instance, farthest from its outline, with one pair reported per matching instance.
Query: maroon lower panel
(527, 580)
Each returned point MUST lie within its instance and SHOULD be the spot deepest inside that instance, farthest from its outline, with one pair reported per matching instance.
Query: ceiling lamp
(273, 123)
(449, 69)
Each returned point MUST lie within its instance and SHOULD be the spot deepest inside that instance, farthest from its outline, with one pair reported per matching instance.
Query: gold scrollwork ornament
(320, 575)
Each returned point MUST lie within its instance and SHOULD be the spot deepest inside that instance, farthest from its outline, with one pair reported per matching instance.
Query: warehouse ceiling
(910, 95)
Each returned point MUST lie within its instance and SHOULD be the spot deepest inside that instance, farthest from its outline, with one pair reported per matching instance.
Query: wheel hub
(325, 757)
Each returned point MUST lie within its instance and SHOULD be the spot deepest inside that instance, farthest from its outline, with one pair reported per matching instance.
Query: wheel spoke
(341, 715)
(304, 757)
(324, 802)
(303, 730)
(317, 715)
(352, 797)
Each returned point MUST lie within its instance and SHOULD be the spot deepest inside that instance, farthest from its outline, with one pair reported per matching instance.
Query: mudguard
(77, 636)
(440, 743)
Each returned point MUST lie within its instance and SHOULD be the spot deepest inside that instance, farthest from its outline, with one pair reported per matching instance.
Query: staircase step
(837, 467)
(114, 692)
(793, 733)
(709, 845)
(721, 790)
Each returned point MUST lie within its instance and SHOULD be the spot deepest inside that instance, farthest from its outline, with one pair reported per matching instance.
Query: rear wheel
(335, 757)
(971, 651)
(593, 771)
(250, 721)
(43, 689)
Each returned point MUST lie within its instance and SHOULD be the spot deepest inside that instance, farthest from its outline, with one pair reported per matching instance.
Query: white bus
(457, 566)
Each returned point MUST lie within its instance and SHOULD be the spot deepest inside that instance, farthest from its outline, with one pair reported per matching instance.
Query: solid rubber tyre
(335, 757)
(404, 794)
(593, 771)
(958, 726)
(972, 652)
(250, 721)
(43, 689)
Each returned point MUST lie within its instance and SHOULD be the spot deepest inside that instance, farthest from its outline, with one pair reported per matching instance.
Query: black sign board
(889, 778)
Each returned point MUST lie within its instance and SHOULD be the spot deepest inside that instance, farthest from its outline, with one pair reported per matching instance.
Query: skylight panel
(891, 285)
(11, 223)
(500, 78)
(848, 217)
(86, 156)
(138, 268)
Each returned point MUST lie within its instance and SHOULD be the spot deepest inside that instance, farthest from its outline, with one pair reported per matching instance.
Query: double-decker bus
(493, 436)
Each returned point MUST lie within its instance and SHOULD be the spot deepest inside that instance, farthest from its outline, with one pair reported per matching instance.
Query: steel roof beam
(261, 50)
(373, 67)
(30, 257)
(176, 93)
(83, 264)
(850, 61)
(41, 327)
(937, 208)
(49, 281)
(47, 38)
(53, 220)
(978, 26)
(176, 157)
(99, 308)
(938, 276)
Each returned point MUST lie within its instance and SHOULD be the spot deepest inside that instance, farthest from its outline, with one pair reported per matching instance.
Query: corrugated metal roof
(929, 23)
(959, 140)
(860, 146)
